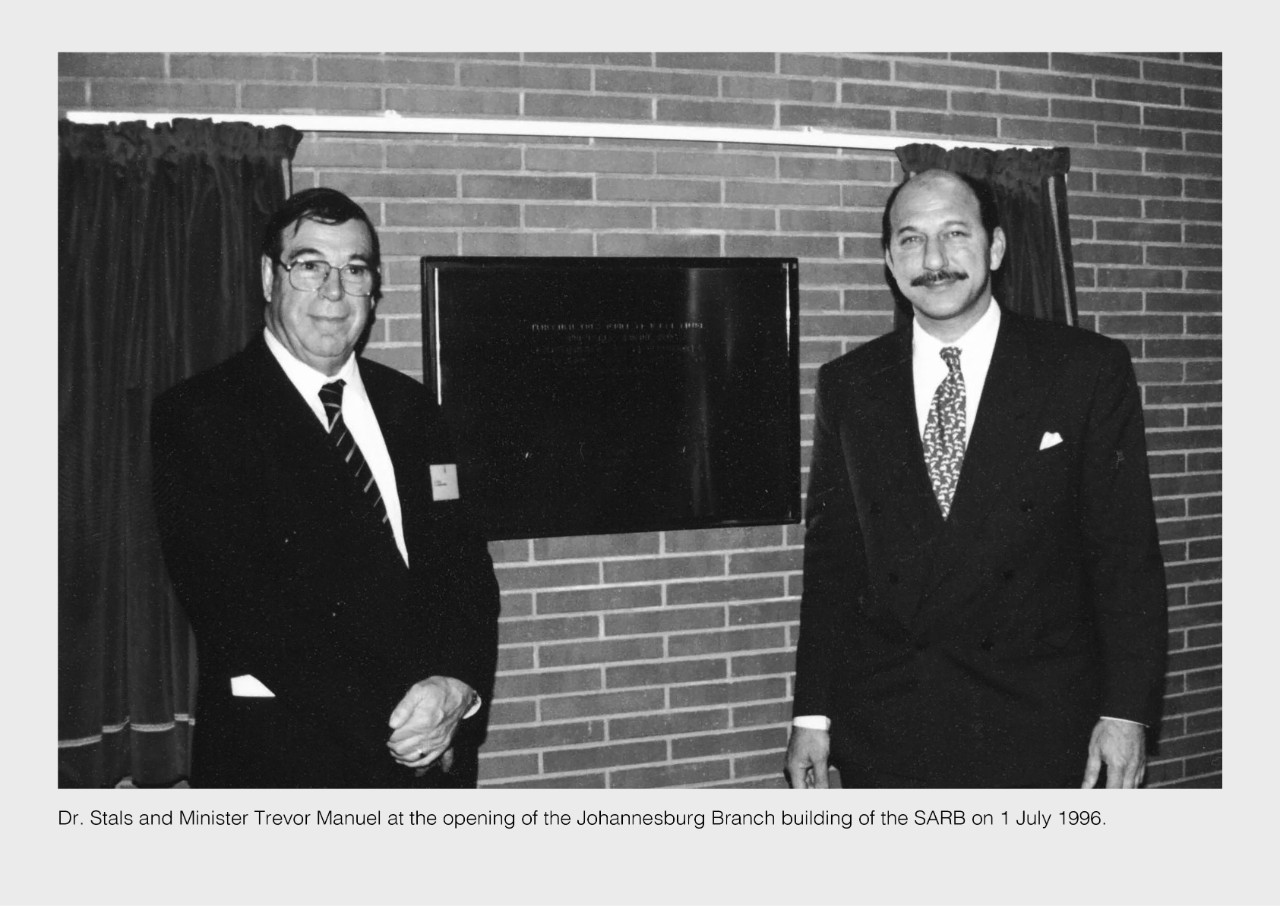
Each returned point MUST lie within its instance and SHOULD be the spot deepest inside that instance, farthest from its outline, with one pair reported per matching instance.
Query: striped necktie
(345, 443)
(944, 431)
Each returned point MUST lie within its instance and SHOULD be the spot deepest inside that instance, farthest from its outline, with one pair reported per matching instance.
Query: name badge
(444, 482)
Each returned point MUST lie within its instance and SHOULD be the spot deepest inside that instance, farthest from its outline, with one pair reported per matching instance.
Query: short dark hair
(981, 189)
(328, 206)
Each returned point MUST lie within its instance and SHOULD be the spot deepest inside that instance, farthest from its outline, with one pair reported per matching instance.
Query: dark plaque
(610, 395)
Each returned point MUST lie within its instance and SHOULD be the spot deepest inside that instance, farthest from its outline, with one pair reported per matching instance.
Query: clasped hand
(424, 721)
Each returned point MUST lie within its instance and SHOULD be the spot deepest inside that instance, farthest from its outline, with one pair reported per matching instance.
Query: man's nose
(935, 256)
(332, 287)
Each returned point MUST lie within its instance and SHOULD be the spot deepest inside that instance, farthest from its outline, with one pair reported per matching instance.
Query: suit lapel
(894, 425)
(401, 431)
(302, 450)
(887, 434)
(282, 414)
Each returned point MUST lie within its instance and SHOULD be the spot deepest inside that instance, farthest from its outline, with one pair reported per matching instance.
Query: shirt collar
(303, 376)
(978, 339)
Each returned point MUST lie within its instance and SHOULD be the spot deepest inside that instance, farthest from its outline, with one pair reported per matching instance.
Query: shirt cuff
(811, 722)
(1123, 720)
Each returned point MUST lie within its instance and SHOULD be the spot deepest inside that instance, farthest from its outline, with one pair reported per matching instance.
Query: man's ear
(268, 276)
(996, 253)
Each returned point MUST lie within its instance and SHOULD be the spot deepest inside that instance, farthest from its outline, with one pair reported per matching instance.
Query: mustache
(929, 278)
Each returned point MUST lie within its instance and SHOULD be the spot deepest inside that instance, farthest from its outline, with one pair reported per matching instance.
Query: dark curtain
(1036, 278)
(158, 279)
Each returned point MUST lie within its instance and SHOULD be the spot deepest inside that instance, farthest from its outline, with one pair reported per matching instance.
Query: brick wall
(665, 658)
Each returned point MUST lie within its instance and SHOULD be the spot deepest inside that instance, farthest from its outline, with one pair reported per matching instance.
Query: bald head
(980, 191)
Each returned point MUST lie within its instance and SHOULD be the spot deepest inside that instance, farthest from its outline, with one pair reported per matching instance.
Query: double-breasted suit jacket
(980, 650)
(286, 575)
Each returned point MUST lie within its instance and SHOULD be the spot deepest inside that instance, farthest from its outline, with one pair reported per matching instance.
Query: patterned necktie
(345, 444)
(944, 431)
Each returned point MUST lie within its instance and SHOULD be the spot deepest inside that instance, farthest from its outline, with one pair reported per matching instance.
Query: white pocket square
(1050, 439)
(249, 686)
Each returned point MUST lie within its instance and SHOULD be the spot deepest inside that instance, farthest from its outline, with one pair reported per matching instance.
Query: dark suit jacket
(286, 574)
(980, 650)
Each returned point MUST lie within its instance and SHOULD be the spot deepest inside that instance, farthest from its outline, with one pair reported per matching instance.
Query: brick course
(665, 659)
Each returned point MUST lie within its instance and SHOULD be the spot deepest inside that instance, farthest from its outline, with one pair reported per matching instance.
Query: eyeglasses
(311, 275)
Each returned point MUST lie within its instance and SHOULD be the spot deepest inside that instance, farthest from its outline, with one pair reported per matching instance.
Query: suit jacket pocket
(1043, 476)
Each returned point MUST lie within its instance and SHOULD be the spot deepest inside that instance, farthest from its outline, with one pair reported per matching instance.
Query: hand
(424, 721)
(1122, 746)
(807, 758)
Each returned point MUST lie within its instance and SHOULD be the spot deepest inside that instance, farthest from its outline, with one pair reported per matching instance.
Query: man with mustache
(984, 599)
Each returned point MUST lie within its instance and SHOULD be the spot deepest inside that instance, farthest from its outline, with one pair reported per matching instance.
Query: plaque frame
(713, 342)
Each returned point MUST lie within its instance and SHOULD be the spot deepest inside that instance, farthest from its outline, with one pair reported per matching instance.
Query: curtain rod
(392, 122)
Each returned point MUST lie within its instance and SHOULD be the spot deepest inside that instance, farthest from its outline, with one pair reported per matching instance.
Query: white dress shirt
(361, 422)
(928, 368)
(928, 371)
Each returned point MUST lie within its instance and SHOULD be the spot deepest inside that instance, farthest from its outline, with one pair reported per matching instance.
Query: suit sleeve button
(1027, 505)
(986, 644)
(893, 578)
(1008, 575)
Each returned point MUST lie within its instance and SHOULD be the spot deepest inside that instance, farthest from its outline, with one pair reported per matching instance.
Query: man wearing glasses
(309, 509)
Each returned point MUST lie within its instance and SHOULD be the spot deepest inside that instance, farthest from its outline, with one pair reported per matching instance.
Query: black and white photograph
(784, 452)
(588, 525)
